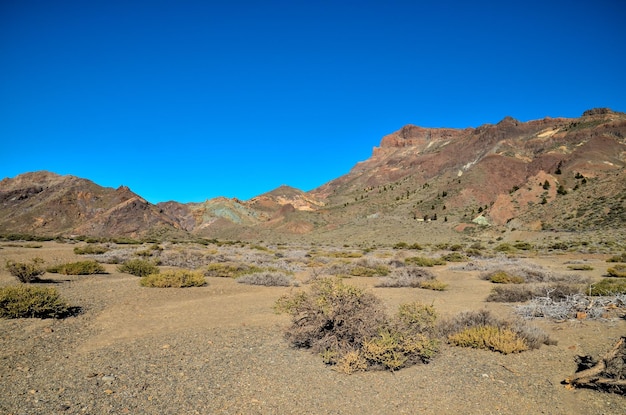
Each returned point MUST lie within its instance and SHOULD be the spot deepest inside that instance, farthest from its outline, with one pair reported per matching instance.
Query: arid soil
(219, 349)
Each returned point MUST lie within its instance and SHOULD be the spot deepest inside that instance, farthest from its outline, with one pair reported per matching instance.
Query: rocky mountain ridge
(563, 173)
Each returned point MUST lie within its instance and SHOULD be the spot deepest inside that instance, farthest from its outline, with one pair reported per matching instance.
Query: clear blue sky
(190, 100)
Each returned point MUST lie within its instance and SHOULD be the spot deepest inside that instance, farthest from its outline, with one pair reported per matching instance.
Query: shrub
(502, 277)
(524, 246)
(618, 258)
(268, 278)
(455, 257)
(413, 277)
(580, 267)
(608, 286)
(505, 248)
(78, 268)
(179, 278)
(24, 271)
(618, 271)
(90, 250)
(525, 292)
(230, 270)
(31, 301)
(366, 268)
(138, 267)
(573, 306)
(480, 329)
(421, 261)
(347, 326)
(492, 338)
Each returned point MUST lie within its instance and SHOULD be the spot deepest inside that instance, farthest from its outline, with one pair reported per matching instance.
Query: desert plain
(220, 348)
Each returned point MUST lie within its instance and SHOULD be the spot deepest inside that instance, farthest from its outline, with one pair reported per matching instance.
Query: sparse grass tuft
(138, 267)
(618, 258)
(179, 278)
(21, 301)
(26, 272)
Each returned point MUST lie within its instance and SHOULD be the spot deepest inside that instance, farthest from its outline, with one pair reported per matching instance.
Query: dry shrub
(617, 271)
(90, 250)
(268, 279)
(523, 292)
(421, 261)
(187, 258)
(483, 330)
(30, 301)
(407, 277)
(138, 267)
(347, 326)
(502, 277)
(497, 339)
(413, 277)
(78, 268)
(179, 278)
(25, 271)
(608, 286)
(368, 268)
(230, 270)
(574, 306)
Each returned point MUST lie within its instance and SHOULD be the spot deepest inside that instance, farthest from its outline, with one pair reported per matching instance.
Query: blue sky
(190, 100)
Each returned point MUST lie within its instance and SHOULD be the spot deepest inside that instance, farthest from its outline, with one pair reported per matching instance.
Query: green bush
(32, 301)
(524, 246)
(608, 286)
(618, 271)
(179, 278)
(24, 271)
(347, 326)
(78, 268)
(90, 250)
(138, 267)
(580, 267)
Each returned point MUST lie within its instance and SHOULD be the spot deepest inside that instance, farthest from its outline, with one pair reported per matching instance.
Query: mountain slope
(554, 173)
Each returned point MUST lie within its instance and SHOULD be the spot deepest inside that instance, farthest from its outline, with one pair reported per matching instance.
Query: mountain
(419, 184)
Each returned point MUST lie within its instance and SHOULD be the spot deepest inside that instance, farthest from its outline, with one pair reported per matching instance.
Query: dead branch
(609, 373)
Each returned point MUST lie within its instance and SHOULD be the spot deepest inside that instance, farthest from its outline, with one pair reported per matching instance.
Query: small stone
(108, 391)
(107, 379)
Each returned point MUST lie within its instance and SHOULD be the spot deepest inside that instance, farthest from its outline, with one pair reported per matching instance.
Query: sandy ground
(219, 349)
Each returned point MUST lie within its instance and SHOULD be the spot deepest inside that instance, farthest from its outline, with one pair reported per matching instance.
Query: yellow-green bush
(179, 278)
(26, 271)
(497, 339)
(421, 261)
(608, 286)
(138, 267)
(617, 271)
(78, 268)
(503, 277)
(31, 301)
